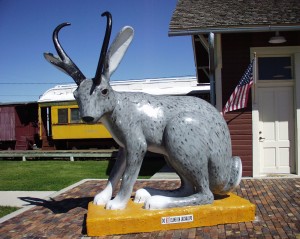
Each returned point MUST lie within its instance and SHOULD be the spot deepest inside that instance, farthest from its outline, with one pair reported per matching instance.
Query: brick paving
(277, 213)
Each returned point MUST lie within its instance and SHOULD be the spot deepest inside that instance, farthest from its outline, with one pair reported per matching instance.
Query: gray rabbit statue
(189, 132)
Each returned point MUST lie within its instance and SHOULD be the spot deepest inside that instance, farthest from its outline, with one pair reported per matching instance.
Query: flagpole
(239, 97)
(254, 78)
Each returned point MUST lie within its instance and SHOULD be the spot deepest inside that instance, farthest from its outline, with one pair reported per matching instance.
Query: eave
(234, 29)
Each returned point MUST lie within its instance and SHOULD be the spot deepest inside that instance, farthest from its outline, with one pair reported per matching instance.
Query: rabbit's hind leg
(201, 196)
(185, 189)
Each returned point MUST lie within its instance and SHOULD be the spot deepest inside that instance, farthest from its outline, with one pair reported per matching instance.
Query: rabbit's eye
(104, 92)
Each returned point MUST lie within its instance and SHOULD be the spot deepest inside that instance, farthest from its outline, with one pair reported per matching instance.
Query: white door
(276, 129)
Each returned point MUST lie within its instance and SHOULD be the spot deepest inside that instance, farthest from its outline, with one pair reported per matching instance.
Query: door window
(275, 68)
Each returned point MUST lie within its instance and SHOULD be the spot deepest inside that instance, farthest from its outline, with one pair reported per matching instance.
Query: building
(226, 35)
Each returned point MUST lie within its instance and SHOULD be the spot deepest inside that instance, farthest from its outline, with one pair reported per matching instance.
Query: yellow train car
(60, 124)
(66, 124)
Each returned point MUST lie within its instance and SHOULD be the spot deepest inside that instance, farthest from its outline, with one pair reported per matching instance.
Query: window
(275, 68)
(75, 116)
(62, 116)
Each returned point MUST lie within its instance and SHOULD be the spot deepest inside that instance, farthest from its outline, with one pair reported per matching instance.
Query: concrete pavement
(14, 198)
(165, 173)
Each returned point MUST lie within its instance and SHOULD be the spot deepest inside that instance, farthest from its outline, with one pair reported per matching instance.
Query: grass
(55, 175)
(4, 210)
(47, 175)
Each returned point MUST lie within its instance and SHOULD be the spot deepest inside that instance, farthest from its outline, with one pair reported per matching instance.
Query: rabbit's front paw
(141, 195)
(102, 198)
(115, 204)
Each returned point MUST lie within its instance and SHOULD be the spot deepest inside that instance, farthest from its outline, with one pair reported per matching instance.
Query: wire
(34, 83)
(19, 95)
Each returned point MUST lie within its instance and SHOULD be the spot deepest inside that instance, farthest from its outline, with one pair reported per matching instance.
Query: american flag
(239, 98)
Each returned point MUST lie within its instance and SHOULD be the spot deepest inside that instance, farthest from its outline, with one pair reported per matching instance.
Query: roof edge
(265, 28)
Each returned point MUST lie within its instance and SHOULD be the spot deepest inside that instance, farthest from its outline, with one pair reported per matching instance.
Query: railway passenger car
(59, 120)
(19, 126)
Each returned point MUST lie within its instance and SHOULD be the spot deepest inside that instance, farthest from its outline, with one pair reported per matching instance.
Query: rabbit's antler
(101, 66)
(66, 63)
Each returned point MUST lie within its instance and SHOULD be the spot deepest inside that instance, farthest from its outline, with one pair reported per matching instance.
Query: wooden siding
(240, 126)
(26, 126)
(7, 123)
(236, 57)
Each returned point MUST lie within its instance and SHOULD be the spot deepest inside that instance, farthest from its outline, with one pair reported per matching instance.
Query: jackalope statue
(188, 131)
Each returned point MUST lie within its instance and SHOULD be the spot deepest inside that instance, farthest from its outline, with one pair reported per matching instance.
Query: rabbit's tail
(235, 175)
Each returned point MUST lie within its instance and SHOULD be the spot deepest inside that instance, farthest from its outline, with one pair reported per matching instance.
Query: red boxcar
(19, 126)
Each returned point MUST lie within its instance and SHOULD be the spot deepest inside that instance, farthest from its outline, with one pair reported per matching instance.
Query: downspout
(195, 59)
(212, 78)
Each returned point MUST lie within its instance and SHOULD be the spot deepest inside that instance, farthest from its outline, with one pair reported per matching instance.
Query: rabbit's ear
(118, 49)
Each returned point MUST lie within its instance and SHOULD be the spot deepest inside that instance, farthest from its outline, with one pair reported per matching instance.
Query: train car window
(62, 116)
(75, 117)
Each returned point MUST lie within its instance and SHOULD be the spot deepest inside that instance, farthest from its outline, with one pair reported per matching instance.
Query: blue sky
(26, 32)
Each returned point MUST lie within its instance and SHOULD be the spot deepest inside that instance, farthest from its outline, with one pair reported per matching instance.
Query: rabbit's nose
(87, 119)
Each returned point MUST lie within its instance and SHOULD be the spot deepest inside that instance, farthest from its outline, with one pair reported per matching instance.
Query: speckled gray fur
(188, 131)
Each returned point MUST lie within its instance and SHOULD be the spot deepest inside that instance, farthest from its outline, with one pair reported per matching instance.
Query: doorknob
(261, 138)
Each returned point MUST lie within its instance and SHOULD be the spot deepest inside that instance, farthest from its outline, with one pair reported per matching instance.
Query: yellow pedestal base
(134, 218)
